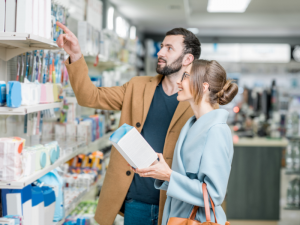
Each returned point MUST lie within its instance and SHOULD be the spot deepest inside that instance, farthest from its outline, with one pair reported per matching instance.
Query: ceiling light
(227, 6)
(110, 18)
(194, 30)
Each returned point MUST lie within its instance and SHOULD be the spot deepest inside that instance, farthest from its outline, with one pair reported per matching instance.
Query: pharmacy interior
(54, 153)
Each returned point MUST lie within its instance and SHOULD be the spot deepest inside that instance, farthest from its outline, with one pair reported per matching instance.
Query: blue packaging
(13, 94)
(2, 93)
(54, 180)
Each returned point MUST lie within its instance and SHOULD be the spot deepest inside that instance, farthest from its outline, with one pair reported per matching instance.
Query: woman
(204, 150)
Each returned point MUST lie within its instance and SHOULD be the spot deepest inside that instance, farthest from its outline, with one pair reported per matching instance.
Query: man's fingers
(148, 174)
(63, 27)
(63, 38)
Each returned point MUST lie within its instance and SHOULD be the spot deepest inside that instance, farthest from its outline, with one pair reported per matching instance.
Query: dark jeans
(139, 213)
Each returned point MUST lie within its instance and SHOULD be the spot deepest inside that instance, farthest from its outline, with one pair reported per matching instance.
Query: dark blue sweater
(154, 131)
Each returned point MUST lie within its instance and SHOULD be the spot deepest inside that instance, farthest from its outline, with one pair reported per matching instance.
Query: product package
(10, 158)
(5, 221)
(49, 204)
(133, 147)
(2, 91)
(24, 16)
(10, 16)
(18, 219)
(35, 17)
(13, 94)
(2, 15)
(18, 202)
(38, 209)
(54, 180)
(31, 92)
(28, 162)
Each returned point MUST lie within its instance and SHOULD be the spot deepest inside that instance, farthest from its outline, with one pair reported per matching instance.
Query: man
(148, 103)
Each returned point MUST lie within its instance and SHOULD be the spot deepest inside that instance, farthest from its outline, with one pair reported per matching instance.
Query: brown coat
(134, 99)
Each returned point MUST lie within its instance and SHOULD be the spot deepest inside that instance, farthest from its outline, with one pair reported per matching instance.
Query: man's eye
(170, 48)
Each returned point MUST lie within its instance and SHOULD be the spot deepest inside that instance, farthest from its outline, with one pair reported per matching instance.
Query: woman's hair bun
(228, 92)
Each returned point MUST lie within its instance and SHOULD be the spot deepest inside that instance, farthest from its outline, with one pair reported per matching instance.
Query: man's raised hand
(69, 43)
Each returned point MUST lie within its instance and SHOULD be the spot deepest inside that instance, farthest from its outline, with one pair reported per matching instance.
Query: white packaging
(2, 15)
(42, 28)
(14, 206)
(28, 162)
(10, 16)
(24, 16)
(35, 17)
(49, 214)
(135, 149)
(4, 221)
(47, 13)
(38, 214)
(10, 159)
(82, 33)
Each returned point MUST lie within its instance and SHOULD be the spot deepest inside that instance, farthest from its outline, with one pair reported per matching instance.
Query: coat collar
(148, 96)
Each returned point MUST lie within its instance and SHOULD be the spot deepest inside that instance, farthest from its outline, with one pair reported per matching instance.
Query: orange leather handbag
(191, 220)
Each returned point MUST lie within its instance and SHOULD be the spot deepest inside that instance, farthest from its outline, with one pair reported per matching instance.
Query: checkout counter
(253, 192)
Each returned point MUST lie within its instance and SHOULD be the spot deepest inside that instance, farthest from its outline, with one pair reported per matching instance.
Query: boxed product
(10, 158)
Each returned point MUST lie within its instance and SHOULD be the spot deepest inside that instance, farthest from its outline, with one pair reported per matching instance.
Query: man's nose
(161, 53)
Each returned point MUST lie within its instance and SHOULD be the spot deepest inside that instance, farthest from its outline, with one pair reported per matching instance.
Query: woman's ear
(205, 87)
(188, 59)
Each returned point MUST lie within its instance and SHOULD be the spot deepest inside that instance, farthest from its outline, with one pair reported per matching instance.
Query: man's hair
(191, 42)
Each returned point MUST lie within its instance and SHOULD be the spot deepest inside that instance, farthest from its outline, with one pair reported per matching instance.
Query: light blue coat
(203, 153)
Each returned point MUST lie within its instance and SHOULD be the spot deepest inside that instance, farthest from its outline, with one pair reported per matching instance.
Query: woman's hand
(158, 170)
(69, 43)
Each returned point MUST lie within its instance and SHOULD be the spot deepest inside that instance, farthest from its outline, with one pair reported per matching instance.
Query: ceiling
(262, 17)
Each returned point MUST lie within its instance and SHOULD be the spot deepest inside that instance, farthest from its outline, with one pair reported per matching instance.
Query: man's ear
(188, 59)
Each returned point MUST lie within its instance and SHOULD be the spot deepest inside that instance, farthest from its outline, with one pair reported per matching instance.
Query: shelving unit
(13, 44)
(96, 145)
(23, 110)
(75, 204)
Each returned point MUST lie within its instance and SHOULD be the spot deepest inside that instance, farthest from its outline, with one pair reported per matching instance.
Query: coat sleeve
(87, 94)
(215, 166)
(161, 185)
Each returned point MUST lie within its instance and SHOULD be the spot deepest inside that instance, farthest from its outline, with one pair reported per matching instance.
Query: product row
(40, 65)
(19, 161)
(293, 156)
(15, 94)
(49, 198)
(83, 214)
(86, 129)
(36, 17)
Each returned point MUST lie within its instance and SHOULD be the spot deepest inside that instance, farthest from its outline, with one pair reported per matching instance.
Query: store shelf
(13, 44)
(98, 144)
(23, 110)
(292, 172)
(92, 189)
(105, 64)
(291, 208)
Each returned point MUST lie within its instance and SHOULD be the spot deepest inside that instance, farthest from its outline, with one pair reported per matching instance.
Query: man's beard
(170, 69)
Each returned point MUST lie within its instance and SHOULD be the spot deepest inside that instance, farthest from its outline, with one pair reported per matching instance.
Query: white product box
(135, 149)
(2, 15)
(24, 16)
(10, 16)
(47, 13)
(35, 17)
(42, 28)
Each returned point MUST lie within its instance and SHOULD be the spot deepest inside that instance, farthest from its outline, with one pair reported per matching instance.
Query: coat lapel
(181, 108)
(149, 93)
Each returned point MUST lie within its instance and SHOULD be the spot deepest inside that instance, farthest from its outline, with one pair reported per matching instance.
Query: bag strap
(206, 205)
